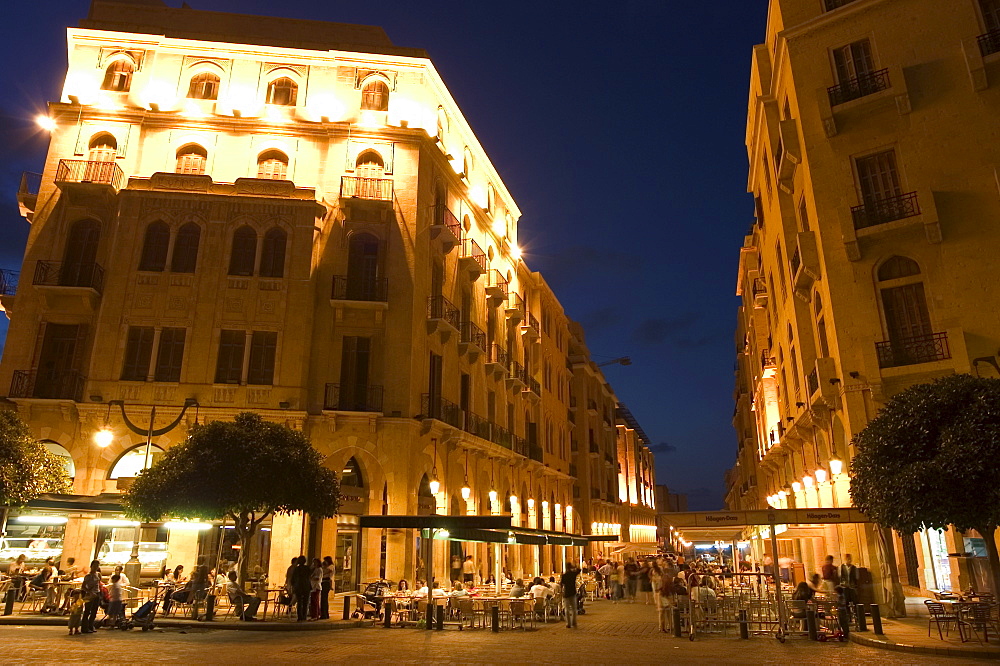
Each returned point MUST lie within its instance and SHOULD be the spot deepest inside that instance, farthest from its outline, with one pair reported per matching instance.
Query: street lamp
(133, 568)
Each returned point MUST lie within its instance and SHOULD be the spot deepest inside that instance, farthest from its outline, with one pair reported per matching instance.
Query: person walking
(327, 585)
(568, 582)
(468, 570)
(91, 592)
(302, 587)
(606, 571)
(829, 574)
(631, 580)
(849, 581)
(618, 583)
(646, 583)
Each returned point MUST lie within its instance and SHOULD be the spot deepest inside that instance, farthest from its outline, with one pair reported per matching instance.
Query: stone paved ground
(608, 634)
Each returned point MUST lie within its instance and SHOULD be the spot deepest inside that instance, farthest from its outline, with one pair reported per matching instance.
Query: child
(75, 611)
(116, 607)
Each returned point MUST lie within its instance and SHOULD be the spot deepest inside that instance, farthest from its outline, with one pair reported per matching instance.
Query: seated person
(437, 591)
(403, 586)
(421, 591)
(240, 598)
(540, 590)
(458, 590)
(517, 591)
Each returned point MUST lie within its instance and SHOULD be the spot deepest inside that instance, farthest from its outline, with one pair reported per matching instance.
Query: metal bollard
(210, 607)
(811, 624)
(844, 619)
(675, 617)
(877, 619)
(8, 604)
(860, 614)
(387, 608)
(440, 622)
(495, 618)
(347, 607)
(744, 625)
(429, 620)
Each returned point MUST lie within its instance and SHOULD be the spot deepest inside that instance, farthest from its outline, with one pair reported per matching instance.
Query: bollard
(811, 624)
(844, 619)
(744, 625)
(440, 622)
(495, 618)
(675, 618)
(388, 613)
(877, 619)
(347, 607)
(8, 605)
(859, 613)
(429, 622)
(210, 607)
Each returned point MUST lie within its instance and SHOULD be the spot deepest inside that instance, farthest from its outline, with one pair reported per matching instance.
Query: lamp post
(133, 568)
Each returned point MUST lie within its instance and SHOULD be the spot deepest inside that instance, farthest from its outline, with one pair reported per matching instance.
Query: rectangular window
(803, 215)
(355, 354)
(991, 14)
(229, 367)
(170, 355)
(138, 351)
(263, 345)
(878, 178)
(853, 61)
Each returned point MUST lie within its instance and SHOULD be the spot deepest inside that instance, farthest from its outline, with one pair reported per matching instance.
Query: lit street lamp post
(103, 437)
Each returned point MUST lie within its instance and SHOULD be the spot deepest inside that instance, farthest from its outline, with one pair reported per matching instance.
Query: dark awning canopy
(485, 529)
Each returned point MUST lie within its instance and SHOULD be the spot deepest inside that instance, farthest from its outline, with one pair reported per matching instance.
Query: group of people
(838, 582)
(307, 587)
(194, 589)
(625, 580)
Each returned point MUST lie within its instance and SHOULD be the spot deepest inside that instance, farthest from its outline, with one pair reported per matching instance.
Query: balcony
(373, 189)
(592, 407)
(759, 292)
(595, 449)
(518, 377)
(497, 288)
(353, 398)
(8, 282)
(48, 384)
(372, 290)
(500, 436)
(788, 155)
(989, 43)
(532, 389)
(767, 363)
(858, 87)
(442, 317)
(472, 259)
(497, 360)
(95, 173)
(812, 383)
(436, 407)
(27, 194)
(514, 308)
(478, 426)
(530, 328)
(446, 230)
(805, 264)
(519, 445)
(69, 274)
(472, 341)
(913, 350)
(888, 209)
(535, 451)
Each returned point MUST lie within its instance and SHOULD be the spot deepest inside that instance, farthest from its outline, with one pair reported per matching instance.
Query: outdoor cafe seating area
(973, 616)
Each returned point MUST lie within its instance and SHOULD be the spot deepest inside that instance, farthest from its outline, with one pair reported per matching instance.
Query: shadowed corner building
(294, 218)
(872, 261)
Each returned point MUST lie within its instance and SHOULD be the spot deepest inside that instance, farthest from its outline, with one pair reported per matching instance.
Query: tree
(245, 470)
(27, 469)
(929, 459)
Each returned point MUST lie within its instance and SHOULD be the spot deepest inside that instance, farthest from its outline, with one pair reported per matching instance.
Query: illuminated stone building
(292, 217)
(873, 258)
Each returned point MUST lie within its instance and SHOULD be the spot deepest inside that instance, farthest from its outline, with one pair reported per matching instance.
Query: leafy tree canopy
(246, 469)
(929, 459)
(27, 468)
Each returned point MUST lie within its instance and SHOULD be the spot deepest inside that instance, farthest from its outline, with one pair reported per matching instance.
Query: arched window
(204, 86)
(244, 255)
(130, 463)
(272, 256)
(442, 123)
(64, 456)
(118, 76)
(272, 165)
(375, 96)
(351, 476)
(185, 257)
(897, 267)
(80, 257)
(491, 198)
(191, 159)
(154, 247)
(102, 148)
(467, 162)
(369, 165)
(824, 344)
(282, 92)
(363, 268)
(907, 320)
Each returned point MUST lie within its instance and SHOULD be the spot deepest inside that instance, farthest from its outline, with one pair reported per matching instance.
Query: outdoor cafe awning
(484, 529)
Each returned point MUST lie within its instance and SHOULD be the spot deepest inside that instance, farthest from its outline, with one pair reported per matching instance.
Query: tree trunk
(896, 598)
(989, 536)
(3, 521)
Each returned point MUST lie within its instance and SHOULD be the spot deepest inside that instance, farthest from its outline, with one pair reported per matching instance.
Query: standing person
(120, 570)
(606, 571)
(91, 592)
(646, 583)
(327, 585)
(618, 583)
(568, 582)
(302, 587)
(198, 586)
(849, 581)
(468, 570)
(116, 607)
(456, 567)
(829, 575)
(631, 580)
(315, 587)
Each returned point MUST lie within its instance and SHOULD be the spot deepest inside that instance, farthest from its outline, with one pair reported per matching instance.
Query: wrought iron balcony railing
(860, 86)
(444, 217)
(353, 397)
(795, 261)
(356, 187)
(84, 171)
(533, 323)
(533, 386)
(812, 382)
(478, 426)
(436, 407)
(497, 354)
(500, 436)
(518, 372)
(913, 350)
(347, 289)
(439, 307)
(519, 445)
(535, 451)
(471, 250)
(48, 384)
(8, 282)
(989, 43)
(474, 335)
(880, 211)
(766, 360)
(69, 274)
(759, 286)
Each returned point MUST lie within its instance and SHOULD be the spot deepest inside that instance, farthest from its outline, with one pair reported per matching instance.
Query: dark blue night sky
(619, 130)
